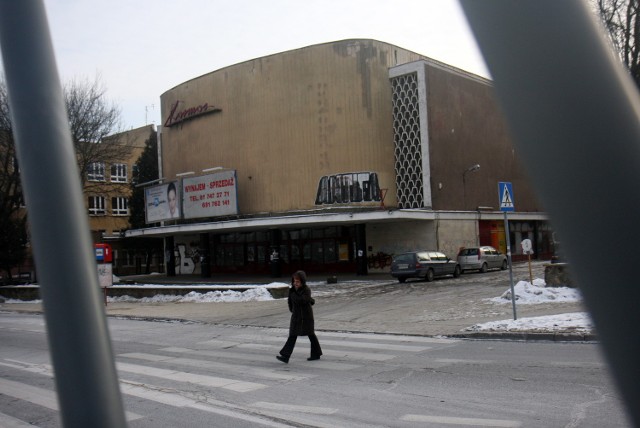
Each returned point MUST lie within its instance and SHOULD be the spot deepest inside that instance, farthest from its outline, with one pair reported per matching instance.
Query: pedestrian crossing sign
(505, 196)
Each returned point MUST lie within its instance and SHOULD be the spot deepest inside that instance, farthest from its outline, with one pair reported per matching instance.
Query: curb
(32, 292)
(529, 336)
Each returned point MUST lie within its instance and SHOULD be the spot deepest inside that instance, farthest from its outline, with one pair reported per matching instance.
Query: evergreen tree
(146, 170)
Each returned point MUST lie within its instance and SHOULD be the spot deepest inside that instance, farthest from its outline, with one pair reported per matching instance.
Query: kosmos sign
(177, 116)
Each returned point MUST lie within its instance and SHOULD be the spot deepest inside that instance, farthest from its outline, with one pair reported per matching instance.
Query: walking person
(302, 323)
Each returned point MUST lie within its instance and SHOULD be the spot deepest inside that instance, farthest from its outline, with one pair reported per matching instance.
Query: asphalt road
(195, 375)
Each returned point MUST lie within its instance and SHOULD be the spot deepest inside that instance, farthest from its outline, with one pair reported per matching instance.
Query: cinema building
(331, 158)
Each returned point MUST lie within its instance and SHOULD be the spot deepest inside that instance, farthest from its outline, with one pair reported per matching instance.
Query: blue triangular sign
(506, 197)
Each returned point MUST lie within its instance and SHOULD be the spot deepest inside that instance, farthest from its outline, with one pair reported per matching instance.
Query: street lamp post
(472, 168)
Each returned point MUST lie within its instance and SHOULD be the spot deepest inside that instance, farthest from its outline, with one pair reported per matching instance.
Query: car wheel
(402, 280)
(429, 275)
(504, 265)
(457, 271)
(484, 268)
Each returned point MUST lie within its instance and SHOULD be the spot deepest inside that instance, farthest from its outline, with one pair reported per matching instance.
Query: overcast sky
(142, 48)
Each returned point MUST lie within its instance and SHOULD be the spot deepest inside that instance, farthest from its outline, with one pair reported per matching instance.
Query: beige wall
(399, 237)
(289, 119)
(453, 234)
(134, 140)
(446, 236)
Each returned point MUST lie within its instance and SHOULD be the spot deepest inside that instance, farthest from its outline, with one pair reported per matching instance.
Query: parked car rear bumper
(471, 266)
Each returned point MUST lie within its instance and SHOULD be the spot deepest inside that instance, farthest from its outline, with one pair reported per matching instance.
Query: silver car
(423, 264)
(482, 259)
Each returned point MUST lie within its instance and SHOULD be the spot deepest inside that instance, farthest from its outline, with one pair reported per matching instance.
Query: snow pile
(531, 294)
(254, 294)
(577, 322)
(527, 293)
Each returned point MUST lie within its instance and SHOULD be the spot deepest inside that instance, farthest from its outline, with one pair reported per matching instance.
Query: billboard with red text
(211, 195)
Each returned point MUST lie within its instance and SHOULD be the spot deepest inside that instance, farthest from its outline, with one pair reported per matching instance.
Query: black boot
(283, 359)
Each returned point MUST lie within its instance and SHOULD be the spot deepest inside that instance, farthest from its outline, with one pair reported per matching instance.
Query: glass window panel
(96, 205)
(284, 253)
(295, 252)
(330, 232)
(238, 255)
(317, 253)
(330, 254)
(119, 173)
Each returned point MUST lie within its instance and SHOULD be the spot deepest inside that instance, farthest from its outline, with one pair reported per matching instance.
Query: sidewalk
(440, 308)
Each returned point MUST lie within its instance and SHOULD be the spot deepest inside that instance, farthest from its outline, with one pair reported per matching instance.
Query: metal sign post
(505, 198)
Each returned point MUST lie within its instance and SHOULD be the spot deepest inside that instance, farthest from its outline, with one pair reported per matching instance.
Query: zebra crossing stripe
(40, 396)
(295, 408)
(207, 364)
(7, 421)
(160, 395)
(475, 422)
(239, 356)
(389, 337)
(353, 344)
(328, 352)
(198, 379)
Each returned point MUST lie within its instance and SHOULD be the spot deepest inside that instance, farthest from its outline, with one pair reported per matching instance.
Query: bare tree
(95, 126)
(620, 19)
(13, 229)
(99, 146)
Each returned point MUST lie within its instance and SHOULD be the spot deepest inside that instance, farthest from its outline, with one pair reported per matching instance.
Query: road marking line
(367, 345)
(33, 394)
(160, 395)
(22, 330)
(330, 365)
(215, 343)
(383, 346)
(7, 421)
(40, 396)
(390, 337)
(462, 361)
(253, 371)
(446, 420)
(198, 379)
(328, 352)
(294, 408)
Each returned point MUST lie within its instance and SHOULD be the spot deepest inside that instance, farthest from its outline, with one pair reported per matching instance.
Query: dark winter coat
(300, 301)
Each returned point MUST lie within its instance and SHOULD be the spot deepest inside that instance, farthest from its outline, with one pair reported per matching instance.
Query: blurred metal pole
(86, 378)
(575, 116)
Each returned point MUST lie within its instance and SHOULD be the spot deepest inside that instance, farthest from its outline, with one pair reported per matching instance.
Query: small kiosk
(104, 258)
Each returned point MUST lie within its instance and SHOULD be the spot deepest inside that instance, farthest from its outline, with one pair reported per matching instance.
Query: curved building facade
(331, 158)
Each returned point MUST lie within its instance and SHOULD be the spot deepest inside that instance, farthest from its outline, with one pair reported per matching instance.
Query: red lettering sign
(176, 116)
